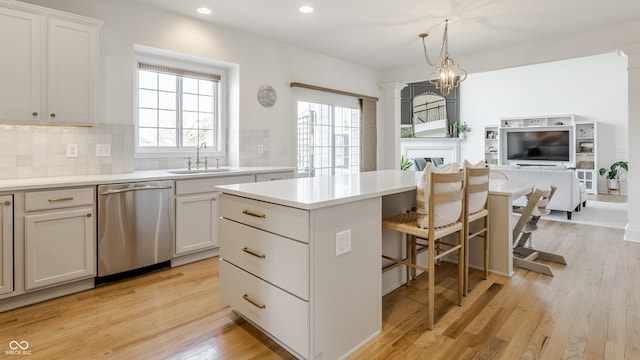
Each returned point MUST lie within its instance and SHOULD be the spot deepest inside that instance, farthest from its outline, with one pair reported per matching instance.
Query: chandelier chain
(443, 50)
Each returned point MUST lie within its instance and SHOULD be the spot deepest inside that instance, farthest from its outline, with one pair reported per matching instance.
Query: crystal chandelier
(448, 75)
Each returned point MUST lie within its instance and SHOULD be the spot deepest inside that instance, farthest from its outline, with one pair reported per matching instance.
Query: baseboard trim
(631, 233)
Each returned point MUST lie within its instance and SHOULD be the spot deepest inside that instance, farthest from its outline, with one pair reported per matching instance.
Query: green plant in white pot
(613, 174)
(463, 129)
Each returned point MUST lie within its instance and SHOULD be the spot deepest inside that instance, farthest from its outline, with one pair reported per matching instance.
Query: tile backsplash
(254, 147)
(41, 151)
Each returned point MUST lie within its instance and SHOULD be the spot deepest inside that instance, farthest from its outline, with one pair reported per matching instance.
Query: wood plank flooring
(589, 310)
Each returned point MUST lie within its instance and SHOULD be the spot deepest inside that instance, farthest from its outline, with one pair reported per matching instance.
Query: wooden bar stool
(476, 208)
(440, 194)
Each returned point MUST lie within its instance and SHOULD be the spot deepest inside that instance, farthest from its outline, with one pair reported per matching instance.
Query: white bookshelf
(586, 134)
(491, 145)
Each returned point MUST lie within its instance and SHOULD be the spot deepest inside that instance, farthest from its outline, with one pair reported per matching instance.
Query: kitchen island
(308, 250)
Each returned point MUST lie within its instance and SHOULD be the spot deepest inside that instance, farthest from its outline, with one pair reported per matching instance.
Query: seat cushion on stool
(476, 200)
(444, 214)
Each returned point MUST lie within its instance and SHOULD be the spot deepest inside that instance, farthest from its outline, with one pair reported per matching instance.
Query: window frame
(186, 62)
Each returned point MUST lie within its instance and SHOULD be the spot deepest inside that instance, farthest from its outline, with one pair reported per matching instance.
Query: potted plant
(405, 163)
(463, 129)
(613, 174)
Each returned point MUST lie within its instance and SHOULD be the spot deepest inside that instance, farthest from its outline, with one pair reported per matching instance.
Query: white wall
(593, 88)
(260, 61)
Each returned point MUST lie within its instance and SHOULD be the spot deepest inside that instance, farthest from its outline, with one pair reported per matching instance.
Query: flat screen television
(539, 146)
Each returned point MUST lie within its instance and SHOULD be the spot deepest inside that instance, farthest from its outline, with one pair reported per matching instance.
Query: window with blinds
(178, 109)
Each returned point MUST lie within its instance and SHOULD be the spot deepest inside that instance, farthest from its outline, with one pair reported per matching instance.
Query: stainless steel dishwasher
(135, 227)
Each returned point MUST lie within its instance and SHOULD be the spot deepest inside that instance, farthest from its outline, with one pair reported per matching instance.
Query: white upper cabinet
(20, 66)
(71, 73)
(49, 70)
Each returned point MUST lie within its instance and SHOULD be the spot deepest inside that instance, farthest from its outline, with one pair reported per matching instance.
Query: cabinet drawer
(275, 176)
(204, 185)
(277, 312)
(276, 259)
(57, 199)
(282, 220)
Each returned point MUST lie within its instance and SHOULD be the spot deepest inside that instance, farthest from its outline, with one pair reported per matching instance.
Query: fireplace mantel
(446, 148)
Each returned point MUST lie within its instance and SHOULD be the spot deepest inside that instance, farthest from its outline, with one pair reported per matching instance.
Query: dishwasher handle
(136, 188)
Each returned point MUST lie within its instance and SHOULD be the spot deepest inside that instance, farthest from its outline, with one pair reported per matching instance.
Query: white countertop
(146, 175)
(322, 191)
(509, 188)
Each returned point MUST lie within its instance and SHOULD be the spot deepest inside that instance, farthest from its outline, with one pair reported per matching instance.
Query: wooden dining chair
(476, 216)
(407, 223)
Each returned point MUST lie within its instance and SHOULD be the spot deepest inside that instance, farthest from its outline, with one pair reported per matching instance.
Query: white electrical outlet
(103, 150)
(343, 242)
(72, 150)
(260, 149)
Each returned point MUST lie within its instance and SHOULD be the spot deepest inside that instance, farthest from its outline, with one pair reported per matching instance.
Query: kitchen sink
(198, 171)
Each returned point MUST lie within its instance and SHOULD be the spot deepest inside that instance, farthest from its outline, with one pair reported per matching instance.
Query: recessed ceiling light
(306, 9)
(204, 10)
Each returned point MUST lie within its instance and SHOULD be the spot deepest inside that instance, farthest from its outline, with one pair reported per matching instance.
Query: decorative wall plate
(267, 96)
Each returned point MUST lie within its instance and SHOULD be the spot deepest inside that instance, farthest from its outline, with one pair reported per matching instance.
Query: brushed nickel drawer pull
(252, 252)
(89, 215)
(276, 178)
(7, 203)
(34, 114)
(253, 302)
(254, 214)
(61, 199)
(53, 115)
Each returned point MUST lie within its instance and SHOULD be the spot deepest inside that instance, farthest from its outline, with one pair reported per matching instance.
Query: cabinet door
(59, 247)
(6, 244)
(196, 222)
(20, 66)
(72, 59)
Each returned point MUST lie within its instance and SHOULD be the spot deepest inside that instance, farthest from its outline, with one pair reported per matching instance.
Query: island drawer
(282, 220)
(277, 312)
(57, 199)
(274, 176)
(276, 259)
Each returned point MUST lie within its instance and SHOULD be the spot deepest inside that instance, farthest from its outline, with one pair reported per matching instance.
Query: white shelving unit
(555, 120)
(587, 155)
(585, 141)
(491, 145)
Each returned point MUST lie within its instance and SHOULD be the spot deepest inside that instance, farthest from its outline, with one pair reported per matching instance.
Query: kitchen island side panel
(346, 305)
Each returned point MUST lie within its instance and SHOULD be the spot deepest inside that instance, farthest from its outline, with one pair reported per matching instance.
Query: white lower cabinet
(59, 237)
(197, 213)
(6, 244)
(195, 222)
(279, 269)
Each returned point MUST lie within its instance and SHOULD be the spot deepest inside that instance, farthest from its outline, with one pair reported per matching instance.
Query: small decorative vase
(462, 135)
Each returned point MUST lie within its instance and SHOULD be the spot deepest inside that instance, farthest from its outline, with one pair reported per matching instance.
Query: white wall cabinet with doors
(59, 237)
(48, 67)
(6, 244)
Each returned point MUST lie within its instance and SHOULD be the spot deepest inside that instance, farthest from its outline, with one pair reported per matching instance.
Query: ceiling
(383, 34)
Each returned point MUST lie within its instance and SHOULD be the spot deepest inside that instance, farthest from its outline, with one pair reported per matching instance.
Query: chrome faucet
(198, 161)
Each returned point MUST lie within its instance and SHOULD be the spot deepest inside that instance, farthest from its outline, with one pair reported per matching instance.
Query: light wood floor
(589, 310)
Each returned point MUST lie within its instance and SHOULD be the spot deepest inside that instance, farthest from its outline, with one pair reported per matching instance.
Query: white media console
(579, 150)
